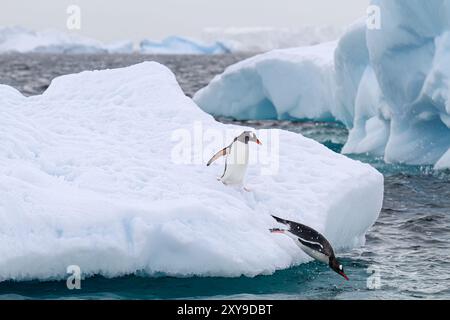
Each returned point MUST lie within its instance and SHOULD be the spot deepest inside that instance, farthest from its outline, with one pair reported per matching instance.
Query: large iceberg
(262, 39)
(179, 45)
(281, 84)
(390, 86)
(99, 172)
(18, 39)
(410, 56)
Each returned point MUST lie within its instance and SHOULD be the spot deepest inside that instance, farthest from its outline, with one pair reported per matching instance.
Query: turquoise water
(312, 280)
(407, 251)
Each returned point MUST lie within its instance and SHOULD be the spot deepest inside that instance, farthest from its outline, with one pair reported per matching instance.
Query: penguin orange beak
(258, 142)
(276, 230)
(344, 275)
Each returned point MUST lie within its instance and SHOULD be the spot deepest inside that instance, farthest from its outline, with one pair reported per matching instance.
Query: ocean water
(407, 252)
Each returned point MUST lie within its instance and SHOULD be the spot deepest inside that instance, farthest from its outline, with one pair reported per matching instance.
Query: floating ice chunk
(444, 161)
(18, 39)
(88, 177)
(281, 84)
(179, 45)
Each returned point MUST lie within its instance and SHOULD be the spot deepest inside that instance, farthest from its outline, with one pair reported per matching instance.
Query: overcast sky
(109, 20)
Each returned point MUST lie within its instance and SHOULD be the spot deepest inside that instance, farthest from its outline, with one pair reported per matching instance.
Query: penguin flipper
(280, 220)
(219, 154)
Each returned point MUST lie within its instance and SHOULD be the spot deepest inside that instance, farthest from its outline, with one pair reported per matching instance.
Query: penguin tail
(280, 220)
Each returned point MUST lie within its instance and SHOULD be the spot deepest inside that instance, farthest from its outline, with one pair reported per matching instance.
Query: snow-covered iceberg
(90, 175)
(18, 39)
(179, 45)
(281, 84)
(262, 39)
(390, 86)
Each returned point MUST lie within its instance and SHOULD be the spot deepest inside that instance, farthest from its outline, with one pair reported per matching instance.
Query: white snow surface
(19, 39)
(390, 86)
(88, 177)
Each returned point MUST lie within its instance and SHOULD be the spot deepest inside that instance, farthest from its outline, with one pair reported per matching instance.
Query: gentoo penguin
(312, 243)
(236, 158)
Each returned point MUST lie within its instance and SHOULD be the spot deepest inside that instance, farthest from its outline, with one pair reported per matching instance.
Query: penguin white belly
(313, 253)
(236, 164)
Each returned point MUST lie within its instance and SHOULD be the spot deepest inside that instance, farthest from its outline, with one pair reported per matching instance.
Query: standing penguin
(236, 158)
(312, 243)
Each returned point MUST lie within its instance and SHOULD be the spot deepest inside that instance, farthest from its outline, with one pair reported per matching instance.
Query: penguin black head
(247, 136)
(337, 267)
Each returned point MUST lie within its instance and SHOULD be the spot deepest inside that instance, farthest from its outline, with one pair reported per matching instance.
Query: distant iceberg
(262, 39)
(180, 45)
(122, 47)
(389, 86)
(214, 41)
(18, 39)
(88, 177)
(235, 40)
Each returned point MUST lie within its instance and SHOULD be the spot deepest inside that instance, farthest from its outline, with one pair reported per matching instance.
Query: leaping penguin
(312, 243)
(236, 158)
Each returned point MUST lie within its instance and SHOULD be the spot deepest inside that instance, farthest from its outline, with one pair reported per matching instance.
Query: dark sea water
(407, 254)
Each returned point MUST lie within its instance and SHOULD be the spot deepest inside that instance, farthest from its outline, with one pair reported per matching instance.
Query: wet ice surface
(408, 247)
